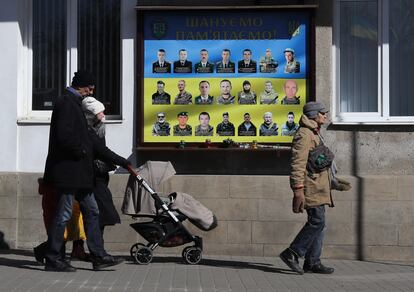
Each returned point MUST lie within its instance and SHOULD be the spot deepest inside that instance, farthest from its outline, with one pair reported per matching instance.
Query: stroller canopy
(137, 200)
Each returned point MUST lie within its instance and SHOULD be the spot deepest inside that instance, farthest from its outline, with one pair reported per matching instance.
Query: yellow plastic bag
(74, 229)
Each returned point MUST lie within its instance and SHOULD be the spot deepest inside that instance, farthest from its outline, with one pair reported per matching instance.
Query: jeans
(90, 213)
(308, 242)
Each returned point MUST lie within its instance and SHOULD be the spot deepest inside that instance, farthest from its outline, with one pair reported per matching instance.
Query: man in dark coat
(69, 169)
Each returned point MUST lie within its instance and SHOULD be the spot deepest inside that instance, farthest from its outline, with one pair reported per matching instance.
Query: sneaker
(98, 263)
(291, 260)
(59, 266)
(317, 269)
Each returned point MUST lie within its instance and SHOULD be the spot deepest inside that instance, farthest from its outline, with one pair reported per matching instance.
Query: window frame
(28, 115)
(382, 115)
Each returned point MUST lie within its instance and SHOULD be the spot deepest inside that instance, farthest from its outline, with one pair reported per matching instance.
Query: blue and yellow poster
(222, 74)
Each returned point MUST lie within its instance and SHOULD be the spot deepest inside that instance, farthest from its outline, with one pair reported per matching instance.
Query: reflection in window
(401, 36)
(359, 56)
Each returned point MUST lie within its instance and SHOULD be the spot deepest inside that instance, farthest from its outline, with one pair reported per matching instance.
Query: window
(373, 55)
(70, 35)
(49, 52)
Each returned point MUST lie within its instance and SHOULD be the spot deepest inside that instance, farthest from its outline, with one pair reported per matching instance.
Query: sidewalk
(19, 272)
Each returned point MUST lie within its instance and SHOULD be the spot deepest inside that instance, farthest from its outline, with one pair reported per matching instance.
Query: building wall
(25, 139)
(373, 221)
(9, 74)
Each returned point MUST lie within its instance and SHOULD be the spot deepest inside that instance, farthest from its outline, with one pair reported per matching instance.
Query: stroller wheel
(134, 249)
(143, 256)
(184, 252)
(192, 255)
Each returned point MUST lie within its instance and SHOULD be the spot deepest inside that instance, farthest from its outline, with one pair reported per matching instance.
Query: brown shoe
(78, 252)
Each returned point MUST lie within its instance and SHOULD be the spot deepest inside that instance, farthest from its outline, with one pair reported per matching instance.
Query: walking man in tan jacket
(312, 191)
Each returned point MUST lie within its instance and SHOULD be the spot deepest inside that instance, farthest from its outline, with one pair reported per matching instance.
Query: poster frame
(143, 10)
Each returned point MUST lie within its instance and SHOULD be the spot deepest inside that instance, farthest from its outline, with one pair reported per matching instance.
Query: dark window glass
(401, 35)
(99, 49)
(49, 52)
(359, 56)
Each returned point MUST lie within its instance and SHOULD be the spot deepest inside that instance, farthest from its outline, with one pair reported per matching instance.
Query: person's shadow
(19, 263)
(3, 243)
(265, 267)
(31, 264)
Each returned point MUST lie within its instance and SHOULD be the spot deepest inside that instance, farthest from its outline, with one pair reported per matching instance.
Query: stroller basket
(167, 234)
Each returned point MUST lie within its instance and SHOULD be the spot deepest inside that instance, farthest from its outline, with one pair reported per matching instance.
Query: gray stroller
(165, 227)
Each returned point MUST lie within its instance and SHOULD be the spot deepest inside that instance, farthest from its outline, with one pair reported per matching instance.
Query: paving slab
(19, 272)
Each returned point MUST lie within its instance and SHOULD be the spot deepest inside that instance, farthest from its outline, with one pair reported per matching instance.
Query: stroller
(166, 228)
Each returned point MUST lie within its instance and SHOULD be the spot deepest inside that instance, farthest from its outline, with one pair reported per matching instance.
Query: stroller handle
(131, 170)
(153, 194)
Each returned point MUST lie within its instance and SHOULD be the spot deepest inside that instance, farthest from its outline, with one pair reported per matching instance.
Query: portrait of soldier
(290, 127)
(290, 88)
(161, 97)
(225, 93)
(225, 128)
(161, 65)
(268, 128)
(292, 66)
(183, 97)
(268, 64)
(161, 127)
(269, 95)
(247, 128)
(247, 65)
(225, 65)
(247, 95)
(204, 128)
(204, 97)
(183, 65)
(204, 66)
(182, 128)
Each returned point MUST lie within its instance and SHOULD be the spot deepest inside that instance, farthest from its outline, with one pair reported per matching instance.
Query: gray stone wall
(372, 221)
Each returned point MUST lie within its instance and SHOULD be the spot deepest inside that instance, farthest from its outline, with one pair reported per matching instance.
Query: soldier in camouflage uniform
(161, 97)
(246, 96)
(292, 66)
(269, 95)
(267, 63)
(183, 97)
(204, 129)
(182, 128)
(291, 88)
(290, 127)
(161, 127)
(225, 93)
